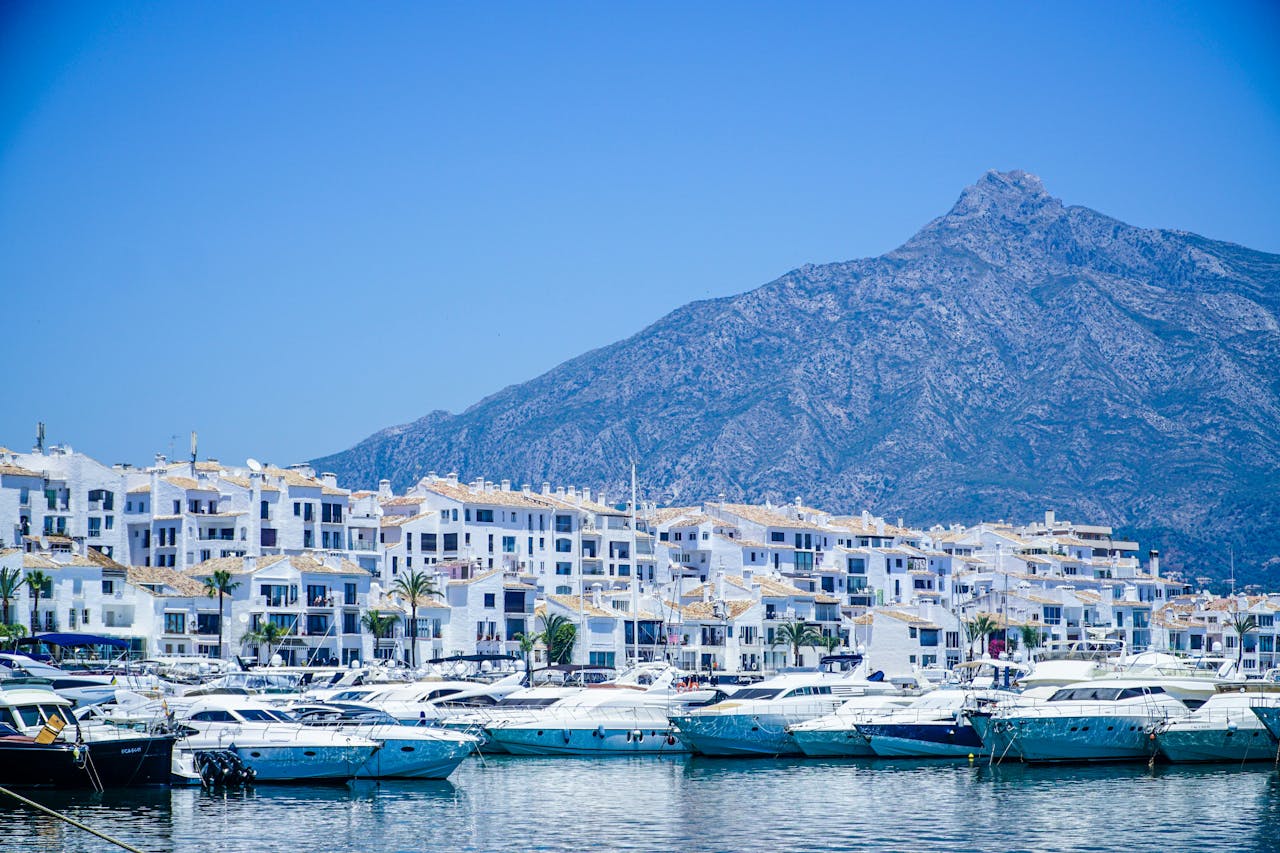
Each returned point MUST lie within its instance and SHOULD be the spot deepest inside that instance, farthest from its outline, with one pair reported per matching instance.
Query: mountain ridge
(1016, 354)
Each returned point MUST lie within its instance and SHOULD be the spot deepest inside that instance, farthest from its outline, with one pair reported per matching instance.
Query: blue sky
(287, 225)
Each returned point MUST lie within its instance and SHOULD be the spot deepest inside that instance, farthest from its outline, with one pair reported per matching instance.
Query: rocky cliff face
(1015, 355)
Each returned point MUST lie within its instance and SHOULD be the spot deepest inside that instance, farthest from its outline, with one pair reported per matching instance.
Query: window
(267, 537)
(317, 623)
(427, 541)
(108, 588)
(928, 637)
(207, 623)
(777, 536)
(297, 509)
(1052, 615)
(953, 639)
(489, 599)
(450, 542)
(564, 524)
(331, 513)
(564, 546)
(95, 527)
(485, 515)
(349, 594)
(350, 622)
(564, 568)
(308, 512)
(177, 507)
(856, 566)
(174, 623)
(508, 544)
(264, 510)
(564, 590)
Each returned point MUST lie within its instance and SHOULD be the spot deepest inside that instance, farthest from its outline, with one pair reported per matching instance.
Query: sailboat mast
(635, 574)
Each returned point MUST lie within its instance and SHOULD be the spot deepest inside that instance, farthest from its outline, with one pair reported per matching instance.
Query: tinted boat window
(754, 693)
(257, 715)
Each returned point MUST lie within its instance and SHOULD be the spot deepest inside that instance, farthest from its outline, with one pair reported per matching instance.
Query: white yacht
(630, 715)
(517, 705)
(835, 735)
(1100, 720)
(754, 720)
(425, 702)
(81, 688)
(407, 752)
(1225, 728)
(278, 748)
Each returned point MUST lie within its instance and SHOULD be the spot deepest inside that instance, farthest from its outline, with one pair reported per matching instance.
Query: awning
(74, 640)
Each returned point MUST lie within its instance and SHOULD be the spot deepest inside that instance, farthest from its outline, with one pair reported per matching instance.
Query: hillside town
(311, 572)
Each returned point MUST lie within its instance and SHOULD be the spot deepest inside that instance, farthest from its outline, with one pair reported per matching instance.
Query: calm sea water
(697, 804)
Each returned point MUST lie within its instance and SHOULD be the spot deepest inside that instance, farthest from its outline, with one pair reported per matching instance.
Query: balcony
(361, 545)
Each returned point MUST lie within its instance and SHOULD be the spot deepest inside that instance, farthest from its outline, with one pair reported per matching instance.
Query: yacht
(835, 735)
(517, 705)
(42, 744)
(1225, 728)
(407, 752)
(82, 688)
(935, 725)
(629, 715)
(425, 702)
(275, 746)
(754, 720)
(1100, 720)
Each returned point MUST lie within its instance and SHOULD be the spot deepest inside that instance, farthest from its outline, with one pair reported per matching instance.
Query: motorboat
(1064, 662)
(630, 715)
(277, 747)
(935, 725)
(518, 705)
(1225, 728)
(1099, 720)
(835, 735)
(426, 702)
(42, 744)
(407, 752)
(754, 720)
(1193, 681)
(82, 688)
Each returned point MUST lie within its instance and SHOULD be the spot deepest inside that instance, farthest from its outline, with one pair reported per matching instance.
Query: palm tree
(796, 635)
(36, 582)
(559, 636)
(831, 642)
(12, 632)
(1031, 637)
(1241, 623)
(415, 587)
(220, 584)
(527, 642)
(378, 624)
(266, 634)
(10, 582)
(979, 628)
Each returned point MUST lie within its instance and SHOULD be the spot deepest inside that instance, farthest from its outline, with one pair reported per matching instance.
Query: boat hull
(832, 743)
(600, 740)
(922, 740)
(1072, 739)
(1206, 745)
(413, 756)
(737, 735)
(118, 762)
(275, 763)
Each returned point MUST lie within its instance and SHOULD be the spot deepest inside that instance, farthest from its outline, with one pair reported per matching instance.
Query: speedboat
(42, 744)
(835, 735)
(1225, 728)
(630, 715)
(275, 746)
(424, 702)
(754, 720)
(1100, 720)
(407, 752)
(515, 706)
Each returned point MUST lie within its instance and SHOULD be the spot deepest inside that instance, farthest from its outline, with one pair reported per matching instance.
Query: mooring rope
(77, 824)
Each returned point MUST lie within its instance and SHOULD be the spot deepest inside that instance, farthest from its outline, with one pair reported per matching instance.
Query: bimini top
(72, 640)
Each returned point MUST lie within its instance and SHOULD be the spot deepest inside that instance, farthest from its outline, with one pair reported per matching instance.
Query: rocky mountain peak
(1012, 357)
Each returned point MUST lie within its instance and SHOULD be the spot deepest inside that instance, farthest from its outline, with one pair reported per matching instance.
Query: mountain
(1015, 355)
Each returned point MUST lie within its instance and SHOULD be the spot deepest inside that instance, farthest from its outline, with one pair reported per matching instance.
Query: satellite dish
(244, 618)
(254, 464)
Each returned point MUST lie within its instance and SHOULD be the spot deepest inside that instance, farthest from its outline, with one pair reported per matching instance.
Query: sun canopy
(69, 640)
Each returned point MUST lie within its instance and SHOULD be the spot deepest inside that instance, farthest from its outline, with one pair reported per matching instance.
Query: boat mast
(635, 574)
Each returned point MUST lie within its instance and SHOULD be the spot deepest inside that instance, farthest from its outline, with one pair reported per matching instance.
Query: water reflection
(699, 804)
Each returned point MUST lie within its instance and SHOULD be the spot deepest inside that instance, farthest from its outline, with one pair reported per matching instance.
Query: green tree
(559, 636)
(378, 624)
(10, 583)
(796, 634)
(37, 581)
(527, 642)
(415, 587)
(831, 642)
(12, 633)
(267, 634)
(1242, 624)
(1031, 637)
(979, 628)
(220, 584)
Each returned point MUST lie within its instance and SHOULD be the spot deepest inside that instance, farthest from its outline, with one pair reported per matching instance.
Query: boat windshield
(1101, 694)
(261, 715)
(529, 702)
(756, 693)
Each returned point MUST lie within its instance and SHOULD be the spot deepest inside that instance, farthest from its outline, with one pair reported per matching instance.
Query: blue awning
(64, 639)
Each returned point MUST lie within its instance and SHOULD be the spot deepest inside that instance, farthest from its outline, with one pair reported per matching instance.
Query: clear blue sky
(288, 224)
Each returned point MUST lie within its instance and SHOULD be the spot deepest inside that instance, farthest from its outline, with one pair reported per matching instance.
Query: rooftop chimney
(1049, 518)
(1153, 563)
(546, 487)
(506, 485)
(329, 479)
(384, 489)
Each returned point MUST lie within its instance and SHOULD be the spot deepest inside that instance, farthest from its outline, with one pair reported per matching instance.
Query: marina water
(517, 804)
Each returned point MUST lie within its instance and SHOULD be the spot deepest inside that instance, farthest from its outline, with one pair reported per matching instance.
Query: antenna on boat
(635, 573)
